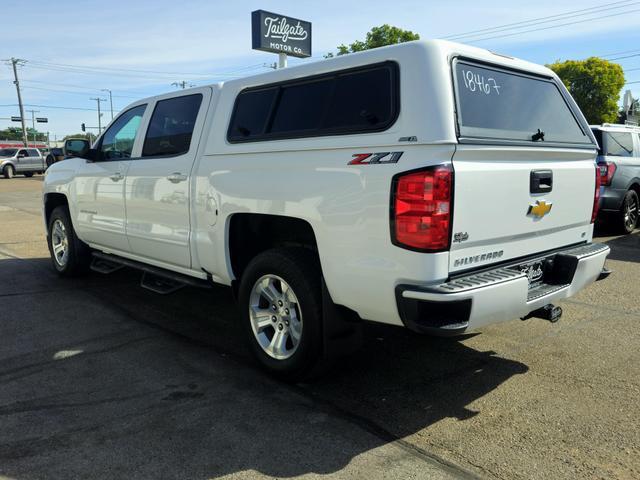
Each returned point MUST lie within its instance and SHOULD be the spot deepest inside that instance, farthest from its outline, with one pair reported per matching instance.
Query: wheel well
(51, 201)
(636, 188)
(253, 233)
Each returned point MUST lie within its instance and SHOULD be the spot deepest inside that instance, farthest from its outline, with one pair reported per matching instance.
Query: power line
(51, 106)
(125, 71)
(84, 94)
(552, 26)
(526, 23)
(80, 86)
(618, 53)
(627, 56)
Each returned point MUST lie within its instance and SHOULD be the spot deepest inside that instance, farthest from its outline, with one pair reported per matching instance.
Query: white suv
(428, 184)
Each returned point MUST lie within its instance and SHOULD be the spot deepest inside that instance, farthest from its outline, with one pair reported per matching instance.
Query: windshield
(506, 105)
(614, 144)
(8, 152)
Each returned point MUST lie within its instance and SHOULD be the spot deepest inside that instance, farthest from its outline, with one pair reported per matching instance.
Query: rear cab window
(496, 104)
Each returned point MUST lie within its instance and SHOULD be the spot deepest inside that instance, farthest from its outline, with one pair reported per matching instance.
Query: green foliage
(15, 133)
(595, 85)
(378, 37)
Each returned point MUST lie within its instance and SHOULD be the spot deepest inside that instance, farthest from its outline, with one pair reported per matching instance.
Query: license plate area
(534, 270)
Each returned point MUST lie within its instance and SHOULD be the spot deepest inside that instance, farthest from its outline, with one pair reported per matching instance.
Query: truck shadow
(101, 379)
(625, 248)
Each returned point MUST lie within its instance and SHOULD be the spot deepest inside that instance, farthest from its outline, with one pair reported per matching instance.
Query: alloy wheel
(275, 316)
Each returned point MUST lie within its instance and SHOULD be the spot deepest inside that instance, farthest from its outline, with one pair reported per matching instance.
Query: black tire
(300, 269)
(78, 253)
(628, 216)
(49, 160)
(9, 171)
(28, 174)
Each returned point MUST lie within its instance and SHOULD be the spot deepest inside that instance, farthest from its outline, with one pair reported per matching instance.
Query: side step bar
(156, 279)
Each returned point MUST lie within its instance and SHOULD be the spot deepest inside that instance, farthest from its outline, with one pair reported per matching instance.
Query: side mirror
(77, 147)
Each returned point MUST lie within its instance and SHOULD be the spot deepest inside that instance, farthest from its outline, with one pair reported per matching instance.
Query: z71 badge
(375, 158)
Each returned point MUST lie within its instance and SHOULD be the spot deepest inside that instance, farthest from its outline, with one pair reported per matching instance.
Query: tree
(378, 37)
(595, 85)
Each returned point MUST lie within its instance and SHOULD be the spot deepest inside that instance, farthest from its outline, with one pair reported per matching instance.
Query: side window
(359, 100)
(301, 107)
(619, 144)
(117, 142)
(171, 126)
(23, 153)
(33, 152)
(251, 113)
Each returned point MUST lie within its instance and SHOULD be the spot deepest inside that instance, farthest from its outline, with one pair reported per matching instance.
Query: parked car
(25, 161)
(55, 155)
(401, 185)
(619, 163)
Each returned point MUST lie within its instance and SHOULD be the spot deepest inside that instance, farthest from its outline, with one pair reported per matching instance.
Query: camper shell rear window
(357, 100)
(499, 105)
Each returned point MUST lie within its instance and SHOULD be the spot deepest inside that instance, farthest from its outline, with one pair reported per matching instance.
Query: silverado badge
(540, 209)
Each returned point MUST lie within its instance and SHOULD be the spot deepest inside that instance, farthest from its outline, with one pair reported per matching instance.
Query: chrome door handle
(177, 177)
(116, 177)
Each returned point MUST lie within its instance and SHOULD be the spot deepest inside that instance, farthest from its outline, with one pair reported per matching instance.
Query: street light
(110, 100)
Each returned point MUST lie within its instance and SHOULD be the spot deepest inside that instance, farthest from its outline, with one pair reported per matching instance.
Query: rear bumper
(498, 295)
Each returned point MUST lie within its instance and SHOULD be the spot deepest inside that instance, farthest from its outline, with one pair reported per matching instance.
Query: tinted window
(117, 141)
(8, 152)
(33, 152)
(618, 144)
(301, 107)
(171, 126)
(23, 152)
(361, 99)
(348, 101)
(250, 114)
(498, 104)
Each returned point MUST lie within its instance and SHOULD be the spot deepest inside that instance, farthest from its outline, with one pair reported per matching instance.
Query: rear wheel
(281, 300)
(69, 255)
(628, 217)
(9, 171)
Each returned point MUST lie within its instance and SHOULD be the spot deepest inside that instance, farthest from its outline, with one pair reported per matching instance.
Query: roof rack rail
(625, 125)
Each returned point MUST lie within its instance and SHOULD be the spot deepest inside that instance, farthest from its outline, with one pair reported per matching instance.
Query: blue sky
(204, 41)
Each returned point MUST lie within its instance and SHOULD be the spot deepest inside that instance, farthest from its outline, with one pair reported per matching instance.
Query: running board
(156, 279)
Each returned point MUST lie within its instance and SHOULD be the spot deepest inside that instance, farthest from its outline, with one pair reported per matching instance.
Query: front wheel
(281, 300)
(9, 171)
(629, 212)
(69, 255)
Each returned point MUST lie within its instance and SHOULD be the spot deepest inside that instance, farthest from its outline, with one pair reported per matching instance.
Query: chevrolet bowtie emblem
(540, 209)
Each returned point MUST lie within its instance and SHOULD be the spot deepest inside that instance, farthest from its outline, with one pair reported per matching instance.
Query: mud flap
(341, 328)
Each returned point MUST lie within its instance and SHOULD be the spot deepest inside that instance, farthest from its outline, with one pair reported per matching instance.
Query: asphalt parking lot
(102, 379)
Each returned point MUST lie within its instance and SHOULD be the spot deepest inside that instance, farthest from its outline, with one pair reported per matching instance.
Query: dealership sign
(275, 33)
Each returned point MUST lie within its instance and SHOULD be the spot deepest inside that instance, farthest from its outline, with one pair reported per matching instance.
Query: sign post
(272, 32)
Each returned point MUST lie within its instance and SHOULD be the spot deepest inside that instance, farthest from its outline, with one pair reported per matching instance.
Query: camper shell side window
(357, 100)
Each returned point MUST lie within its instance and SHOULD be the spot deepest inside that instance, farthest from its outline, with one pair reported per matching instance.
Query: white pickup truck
(429, 184)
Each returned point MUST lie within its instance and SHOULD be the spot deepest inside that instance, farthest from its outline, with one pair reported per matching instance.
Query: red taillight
(596, 195)
(607, 169)
(421, 209)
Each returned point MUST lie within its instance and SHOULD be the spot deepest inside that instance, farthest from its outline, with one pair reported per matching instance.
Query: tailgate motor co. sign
(275, 33)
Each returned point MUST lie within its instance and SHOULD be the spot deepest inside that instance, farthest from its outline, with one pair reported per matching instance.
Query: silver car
(619, 163)
(25, 161)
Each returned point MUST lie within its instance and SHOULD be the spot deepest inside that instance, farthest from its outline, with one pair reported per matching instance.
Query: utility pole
(33, 122)
(110, 100)
(14, 63)
(183, 84)
(98, 100)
